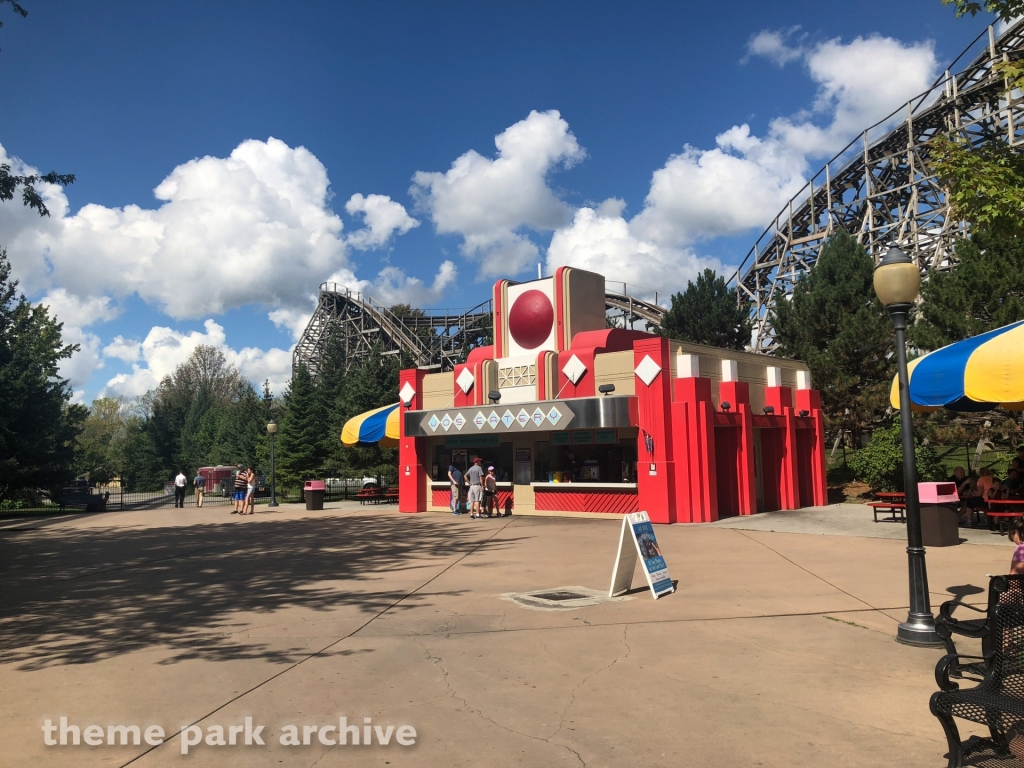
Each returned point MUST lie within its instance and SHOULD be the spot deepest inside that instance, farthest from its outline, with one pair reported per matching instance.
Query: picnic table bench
(998, 699)
(889, 501)
(391, 496)
(1003, 510)
(369, 494)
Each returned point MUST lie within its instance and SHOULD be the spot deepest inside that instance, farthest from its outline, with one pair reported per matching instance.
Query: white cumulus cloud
(774, 45)
(254, 227)
(746, 179)
(164, 349)
(383, 217)
(490, 202)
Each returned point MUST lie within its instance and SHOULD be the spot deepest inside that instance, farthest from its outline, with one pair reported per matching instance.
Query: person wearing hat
(474, 479)
(490, 491)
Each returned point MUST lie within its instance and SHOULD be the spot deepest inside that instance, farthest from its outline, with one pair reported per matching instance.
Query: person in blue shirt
(199, 482)
(455, 478)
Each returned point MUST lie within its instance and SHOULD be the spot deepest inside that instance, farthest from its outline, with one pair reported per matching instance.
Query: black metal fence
(115, 497)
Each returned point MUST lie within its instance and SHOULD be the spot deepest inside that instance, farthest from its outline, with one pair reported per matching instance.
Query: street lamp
(897, 281)
(272, 431)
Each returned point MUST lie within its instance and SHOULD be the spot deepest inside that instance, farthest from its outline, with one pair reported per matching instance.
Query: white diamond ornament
(554, 416)
(494, 419)
(507, 418)
(574, 369)
(407, 393)
(479, 420)
(434, 423)
(446, 422)
(648, 370)
(465, 381)
(523, 418)
(538, 417)
(459, 421)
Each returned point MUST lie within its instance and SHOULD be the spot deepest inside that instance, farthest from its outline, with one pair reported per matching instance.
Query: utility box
(940, 514)
(314, 492)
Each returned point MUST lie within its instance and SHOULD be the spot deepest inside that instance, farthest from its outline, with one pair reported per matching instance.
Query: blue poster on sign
(654, 563)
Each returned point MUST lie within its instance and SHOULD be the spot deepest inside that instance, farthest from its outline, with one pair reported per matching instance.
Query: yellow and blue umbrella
(376, 427)
(976, 374)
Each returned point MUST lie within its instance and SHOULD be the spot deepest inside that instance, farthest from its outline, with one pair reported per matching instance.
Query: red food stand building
(579, 419)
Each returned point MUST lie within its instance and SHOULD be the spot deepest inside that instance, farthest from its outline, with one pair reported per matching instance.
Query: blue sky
(644, 140)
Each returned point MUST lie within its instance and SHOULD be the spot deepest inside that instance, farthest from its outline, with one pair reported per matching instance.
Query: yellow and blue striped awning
(376, 427)
(975, 374)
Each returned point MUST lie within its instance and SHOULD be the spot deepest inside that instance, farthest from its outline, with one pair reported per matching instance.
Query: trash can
(940, 514)
(314, 493)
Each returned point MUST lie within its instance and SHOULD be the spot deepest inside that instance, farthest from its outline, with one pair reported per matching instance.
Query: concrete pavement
(776, 650)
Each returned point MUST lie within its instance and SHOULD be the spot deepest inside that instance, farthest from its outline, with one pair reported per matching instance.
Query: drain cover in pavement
(561, 598)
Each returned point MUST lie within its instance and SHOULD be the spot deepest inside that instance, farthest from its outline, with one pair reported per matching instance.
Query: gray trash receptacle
(940, 514)
(940, 525)
(314, 492)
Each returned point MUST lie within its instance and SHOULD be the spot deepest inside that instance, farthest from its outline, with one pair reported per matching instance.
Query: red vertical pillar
(781, 399)
(810, 400)
(738, 393)
(412, 472)
(693, 443)
(655, 461)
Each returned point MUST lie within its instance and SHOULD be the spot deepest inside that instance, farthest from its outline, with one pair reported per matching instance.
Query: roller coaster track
(881, 189)
(435, 339)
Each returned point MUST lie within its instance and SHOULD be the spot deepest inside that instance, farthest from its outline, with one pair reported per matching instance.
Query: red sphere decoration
(530, 319)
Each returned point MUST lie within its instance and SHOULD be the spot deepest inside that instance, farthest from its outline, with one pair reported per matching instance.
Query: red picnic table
(1010, 508)
(369, 494)
(893, 502)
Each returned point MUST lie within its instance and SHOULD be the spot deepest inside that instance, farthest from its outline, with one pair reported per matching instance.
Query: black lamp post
(272, 431)
(897, 281)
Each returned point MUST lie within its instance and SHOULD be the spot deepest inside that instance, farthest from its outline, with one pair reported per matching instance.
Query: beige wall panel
(438, 390)
(616, 368)
(584, 297)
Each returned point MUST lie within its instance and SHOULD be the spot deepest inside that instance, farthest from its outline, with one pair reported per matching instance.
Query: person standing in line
(250, 492)
(455, 478)
(199, 483)
(179, 489)
(239, 494)
(475, 480)
(490, 492)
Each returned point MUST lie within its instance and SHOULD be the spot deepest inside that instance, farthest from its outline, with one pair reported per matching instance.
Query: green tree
(985, 291)
(837, 326)
(1006, 10)
(300, 454)
(38, 423)
(985, 184)
(99, 444)
(707, 312)
(880, 463)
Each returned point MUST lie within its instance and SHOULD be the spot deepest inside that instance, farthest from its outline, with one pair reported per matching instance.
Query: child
(1015, 532)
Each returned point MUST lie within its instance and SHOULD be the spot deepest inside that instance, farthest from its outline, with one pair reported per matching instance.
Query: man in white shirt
(179, 489)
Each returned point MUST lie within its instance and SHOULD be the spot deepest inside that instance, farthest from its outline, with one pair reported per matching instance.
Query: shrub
(880, 463)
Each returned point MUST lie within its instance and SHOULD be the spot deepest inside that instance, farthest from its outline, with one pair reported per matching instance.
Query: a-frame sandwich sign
(638, 539)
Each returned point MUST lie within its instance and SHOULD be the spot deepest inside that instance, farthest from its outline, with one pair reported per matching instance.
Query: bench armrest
(949, 663)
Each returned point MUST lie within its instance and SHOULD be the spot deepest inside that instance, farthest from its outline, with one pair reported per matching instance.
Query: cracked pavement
(776, 650)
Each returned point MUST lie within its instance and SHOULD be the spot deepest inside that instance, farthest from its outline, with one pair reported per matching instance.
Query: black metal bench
(998, 699)
(947, 626)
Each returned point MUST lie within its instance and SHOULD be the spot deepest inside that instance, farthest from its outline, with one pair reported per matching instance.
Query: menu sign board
(637, 528)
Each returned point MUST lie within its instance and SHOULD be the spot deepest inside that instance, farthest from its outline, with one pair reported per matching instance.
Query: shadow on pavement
(76, 596)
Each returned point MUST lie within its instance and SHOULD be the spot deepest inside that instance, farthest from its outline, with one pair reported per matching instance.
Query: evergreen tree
(38, 423)
(300, 454)
(707, 312)
(984, 291)
(835, 323)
